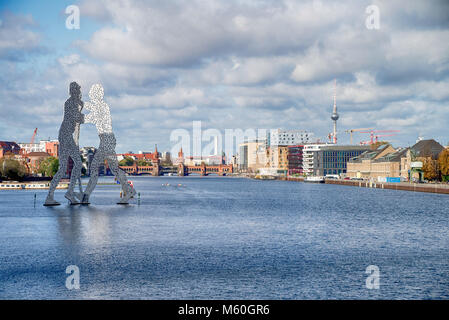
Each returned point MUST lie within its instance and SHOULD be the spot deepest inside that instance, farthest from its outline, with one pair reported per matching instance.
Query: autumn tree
(377, 144)
(443, 164)
(430, 168)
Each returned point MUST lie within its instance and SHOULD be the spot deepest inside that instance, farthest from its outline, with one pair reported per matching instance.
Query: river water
(226, 238)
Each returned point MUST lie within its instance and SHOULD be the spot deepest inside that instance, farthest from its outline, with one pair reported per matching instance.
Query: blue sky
(230, 64)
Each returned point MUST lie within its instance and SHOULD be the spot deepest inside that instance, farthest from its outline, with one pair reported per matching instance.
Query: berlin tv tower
(335, 115)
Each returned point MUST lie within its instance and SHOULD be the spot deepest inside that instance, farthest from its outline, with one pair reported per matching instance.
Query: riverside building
(334, 159)
(252, 155)
(295, 160)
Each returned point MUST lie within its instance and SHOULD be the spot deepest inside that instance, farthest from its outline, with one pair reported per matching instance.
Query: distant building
(427, 148)
(9, 147)
(334, 159)
(385, 161)
(166, 156)
(34, 159)
(310, 158)
(49, 146)
(252, 155)
(363, 165)
(243, 157)
(198, 160)
(288, 137)
(277, 157)
(151, 156)
(30, 147)
(295, 160)
(208, 160)
(422, 151)
(87, 155)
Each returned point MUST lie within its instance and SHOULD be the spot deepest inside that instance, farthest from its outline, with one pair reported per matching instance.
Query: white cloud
(240, 64)
(15, 34)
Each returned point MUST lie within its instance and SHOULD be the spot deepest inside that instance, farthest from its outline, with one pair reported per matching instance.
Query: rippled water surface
(223, 238)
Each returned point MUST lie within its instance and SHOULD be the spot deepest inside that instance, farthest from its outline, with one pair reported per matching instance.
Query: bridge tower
(220, 170)
(181, 170)
(203, 169)
(156, 168)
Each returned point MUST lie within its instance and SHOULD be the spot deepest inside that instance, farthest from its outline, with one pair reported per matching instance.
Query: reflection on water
(80, 225)
(226, 238)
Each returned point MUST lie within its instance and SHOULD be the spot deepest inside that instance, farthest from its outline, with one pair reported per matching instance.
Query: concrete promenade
(406, 186)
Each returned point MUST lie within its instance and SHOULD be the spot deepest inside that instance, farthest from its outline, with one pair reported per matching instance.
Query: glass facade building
(334, 159)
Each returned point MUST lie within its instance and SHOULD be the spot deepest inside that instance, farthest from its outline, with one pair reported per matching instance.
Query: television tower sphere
(335, 116)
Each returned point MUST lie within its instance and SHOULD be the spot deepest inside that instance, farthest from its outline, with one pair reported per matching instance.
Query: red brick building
(151, 156)
(52, 148)
(295, 160)
(8, 147)
(34, 159)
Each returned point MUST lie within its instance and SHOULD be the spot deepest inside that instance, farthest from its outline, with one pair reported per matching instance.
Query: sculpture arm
(89, 118)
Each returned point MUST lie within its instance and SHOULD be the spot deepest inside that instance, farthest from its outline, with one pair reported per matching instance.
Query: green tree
(126, 162)
(49, 166)
(443, 164)
(144, 163)
(12, 169)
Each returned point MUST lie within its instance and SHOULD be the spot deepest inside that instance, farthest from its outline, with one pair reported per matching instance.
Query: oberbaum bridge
(156, 169)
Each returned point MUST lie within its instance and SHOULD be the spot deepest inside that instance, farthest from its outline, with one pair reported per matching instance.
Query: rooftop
(38, 154)
(394, 156)
(344, 148)
(370, 154)
(425, 148)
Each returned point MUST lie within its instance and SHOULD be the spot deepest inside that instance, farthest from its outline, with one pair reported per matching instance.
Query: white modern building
(281, 137)
(30, 147)
(310, 159)
(252, 155)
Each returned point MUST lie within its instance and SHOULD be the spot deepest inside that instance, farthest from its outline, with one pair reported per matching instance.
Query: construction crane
(34, 136)
(350, 131)
(383, 135)
(372, 133)
(376, 138)
(365, 142)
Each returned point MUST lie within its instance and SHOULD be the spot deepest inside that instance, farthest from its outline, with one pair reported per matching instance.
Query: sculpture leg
(76, 173)
(94, 168)
(128, 192)
(63, 159)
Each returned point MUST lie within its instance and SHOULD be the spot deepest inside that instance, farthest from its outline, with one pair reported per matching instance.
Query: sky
(229, 64)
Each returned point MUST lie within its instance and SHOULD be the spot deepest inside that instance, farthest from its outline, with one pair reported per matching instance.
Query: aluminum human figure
(101, 117)
(68, 147)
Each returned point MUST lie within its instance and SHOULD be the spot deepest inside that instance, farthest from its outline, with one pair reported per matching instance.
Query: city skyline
(230, 65)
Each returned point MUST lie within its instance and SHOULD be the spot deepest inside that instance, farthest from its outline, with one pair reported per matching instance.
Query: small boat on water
(314, 179)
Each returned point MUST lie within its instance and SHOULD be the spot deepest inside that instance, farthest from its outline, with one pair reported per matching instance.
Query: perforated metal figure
(101, 117)
(68, 147)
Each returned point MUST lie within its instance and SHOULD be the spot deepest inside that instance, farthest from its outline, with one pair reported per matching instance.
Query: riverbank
(405, 186)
